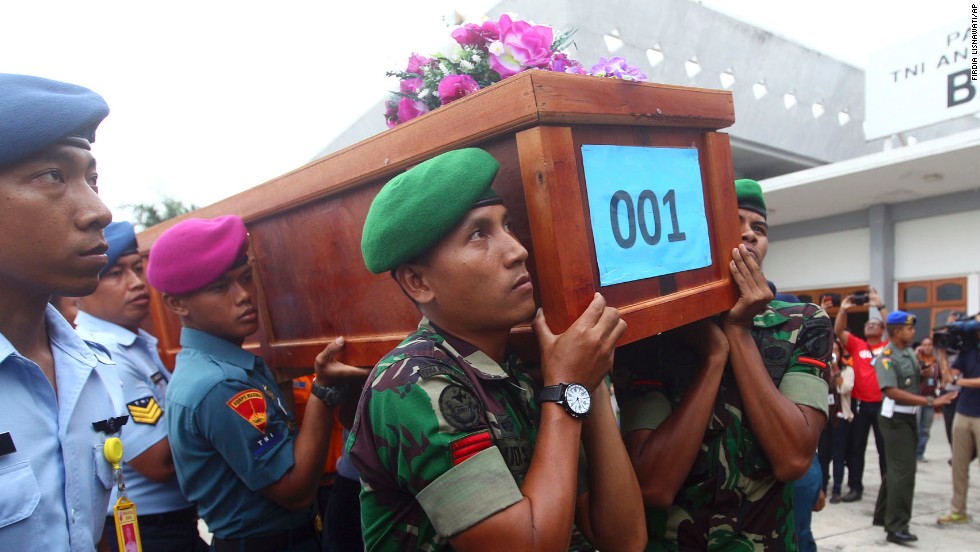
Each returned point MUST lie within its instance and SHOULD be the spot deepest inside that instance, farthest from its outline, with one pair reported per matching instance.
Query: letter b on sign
(959, 88)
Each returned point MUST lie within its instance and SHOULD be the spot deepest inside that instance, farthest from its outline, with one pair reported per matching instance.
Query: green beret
(417, 208)
(749, 194)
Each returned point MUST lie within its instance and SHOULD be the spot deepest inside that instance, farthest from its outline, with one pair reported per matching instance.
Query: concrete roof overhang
(927, 169)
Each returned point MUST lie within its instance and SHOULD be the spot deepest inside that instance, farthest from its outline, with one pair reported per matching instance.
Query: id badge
(127, 528)
(830, 399)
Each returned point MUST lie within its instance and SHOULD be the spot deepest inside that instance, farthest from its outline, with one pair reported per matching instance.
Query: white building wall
(827, 260)
(937, 247)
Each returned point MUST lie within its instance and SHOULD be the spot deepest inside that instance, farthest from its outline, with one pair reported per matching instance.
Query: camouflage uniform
(900, 430)
(442, 440)
(730, 499)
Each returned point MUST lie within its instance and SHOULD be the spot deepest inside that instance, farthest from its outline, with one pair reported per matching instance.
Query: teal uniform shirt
(730, 499)
(231, 436)
(442, 439)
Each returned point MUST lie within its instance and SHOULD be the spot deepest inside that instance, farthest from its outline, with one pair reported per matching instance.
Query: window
(932, 301)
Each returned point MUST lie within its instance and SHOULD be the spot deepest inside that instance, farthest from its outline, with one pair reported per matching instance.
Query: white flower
(443, 67)
(423, 93)
(465, 65)
(476, 58)
(496, 48)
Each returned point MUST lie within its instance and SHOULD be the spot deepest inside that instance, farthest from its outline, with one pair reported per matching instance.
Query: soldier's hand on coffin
(753, 289)
(330, 371)
(584, 353)
(705, 337)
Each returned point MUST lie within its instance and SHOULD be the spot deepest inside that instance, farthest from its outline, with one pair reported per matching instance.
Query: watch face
(578, 399)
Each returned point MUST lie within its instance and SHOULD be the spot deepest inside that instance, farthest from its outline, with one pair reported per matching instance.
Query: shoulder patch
(250, 404)
(145, 411)
(465, 447)
(460, 407)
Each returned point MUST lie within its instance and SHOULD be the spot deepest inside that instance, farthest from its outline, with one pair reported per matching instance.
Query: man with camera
(866, 393)
(966, 423)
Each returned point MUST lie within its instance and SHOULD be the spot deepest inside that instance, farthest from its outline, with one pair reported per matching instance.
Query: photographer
(966, 424)
(866, 392)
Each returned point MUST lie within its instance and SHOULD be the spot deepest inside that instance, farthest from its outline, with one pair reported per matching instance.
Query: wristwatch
(929, 400)
(331, 395)
(573, 397)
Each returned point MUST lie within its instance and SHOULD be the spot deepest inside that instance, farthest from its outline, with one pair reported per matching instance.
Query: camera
(957, 335)
(859, 298)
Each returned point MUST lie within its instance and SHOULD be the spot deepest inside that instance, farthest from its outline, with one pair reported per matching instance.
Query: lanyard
(124, 512)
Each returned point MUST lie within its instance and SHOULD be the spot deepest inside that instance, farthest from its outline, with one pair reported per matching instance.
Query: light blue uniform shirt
(55, 487)
(144, 389)
(231, 436)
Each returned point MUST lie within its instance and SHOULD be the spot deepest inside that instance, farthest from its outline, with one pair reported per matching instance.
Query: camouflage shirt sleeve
(808, 377)
(423, 441)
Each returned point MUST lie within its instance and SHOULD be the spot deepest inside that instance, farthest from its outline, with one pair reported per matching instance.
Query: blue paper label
(647, 211)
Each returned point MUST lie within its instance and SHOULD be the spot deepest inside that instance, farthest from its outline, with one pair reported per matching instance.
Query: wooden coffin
(305, 226)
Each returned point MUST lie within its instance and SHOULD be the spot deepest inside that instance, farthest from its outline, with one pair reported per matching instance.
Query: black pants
(158, 535)
(865, 420)
(342, 524)
(833, 446)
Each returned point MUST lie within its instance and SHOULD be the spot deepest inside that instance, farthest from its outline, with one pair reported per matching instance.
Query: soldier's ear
(411, 278)
(176, 304)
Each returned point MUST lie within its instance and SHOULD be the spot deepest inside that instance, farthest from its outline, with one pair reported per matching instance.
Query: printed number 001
(636, 218)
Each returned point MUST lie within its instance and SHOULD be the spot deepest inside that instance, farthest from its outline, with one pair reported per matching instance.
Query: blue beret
(901, 318)
(36, 112)
(122, 241)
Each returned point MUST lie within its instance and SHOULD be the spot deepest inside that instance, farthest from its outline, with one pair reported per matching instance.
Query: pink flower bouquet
(487, 53)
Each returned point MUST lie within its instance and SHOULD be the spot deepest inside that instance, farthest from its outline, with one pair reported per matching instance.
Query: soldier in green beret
(719, 418)
(454, 447)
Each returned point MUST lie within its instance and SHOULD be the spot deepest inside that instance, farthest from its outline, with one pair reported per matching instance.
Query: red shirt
(865, 382)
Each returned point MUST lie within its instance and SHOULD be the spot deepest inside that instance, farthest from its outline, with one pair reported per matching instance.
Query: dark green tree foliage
(146, 215)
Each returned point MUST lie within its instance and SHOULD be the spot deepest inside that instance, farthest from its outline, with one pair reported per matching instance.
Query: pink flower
(391, 112)
(410, 86)
(409, 109)
(520, 46)
(479, 36)
(561, 63)
(416, 62)
(454, 87)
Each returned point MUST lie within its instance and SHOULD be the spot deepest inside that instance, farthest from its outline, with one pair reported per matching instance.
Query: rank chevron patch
(145, 411)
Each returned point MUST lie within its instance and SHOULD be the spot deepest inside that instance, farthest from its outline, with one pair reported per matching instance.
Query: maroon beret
(195, 252)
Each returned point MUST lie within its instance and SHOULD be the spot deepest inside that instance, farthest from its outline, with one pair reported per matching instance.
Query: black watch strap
(552, 393)
(331, 395)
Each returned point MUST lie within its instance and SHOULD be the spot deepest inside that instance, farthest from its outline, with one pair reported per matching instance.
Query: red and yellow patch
(466, 447)
(250, 404)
